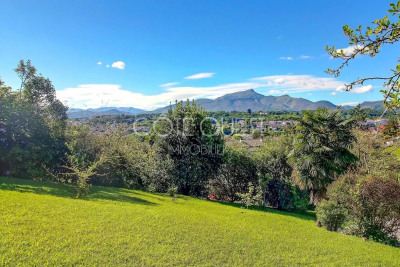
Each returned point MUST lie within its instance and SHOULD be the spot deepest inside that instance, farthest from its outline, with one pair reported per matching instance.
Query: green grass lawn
(394, 150)
(43, 224)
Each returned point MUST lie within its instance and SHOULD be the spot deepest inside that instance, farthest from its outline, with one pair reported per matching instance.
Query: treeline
(326, 161)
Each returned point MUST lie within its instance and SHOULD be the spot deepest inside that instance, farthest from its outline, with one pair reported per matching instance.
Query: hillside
(377, 105)
(75, 113)
(43, 224)
(239, 101)
(250, 99)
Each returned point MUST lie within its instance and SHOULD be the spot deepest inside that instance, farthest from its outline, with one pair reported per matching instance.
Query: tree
(237, 137)
(363, 205)
(359, 114)
(369, 41)
(321, 150)
(251, 197)
(25, 72)
(391, 129)
(33, 126)
(256, 134)
(187, 137)
(274, 175)
(234, 175)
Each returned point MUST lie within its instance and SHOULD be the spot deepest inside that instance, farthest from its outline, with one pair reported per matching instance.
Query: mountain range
(239, 101)
(75, 113)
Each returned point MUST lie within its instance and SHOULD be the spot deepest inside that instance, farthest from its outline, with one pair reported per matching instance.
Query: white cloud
(304, 57)
(298, 83)
(333, 93)
(357, 90)
(95, 95)
(200, 75)
(108, 66)
(349, 104)
(169, 84)
(118, 65)
(99, 63)
(286, 58)
(349, 51)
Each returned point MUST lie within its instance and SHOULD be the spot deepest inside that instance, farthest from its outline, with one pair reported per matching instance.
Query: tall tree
(25, 72)
(369, 41)
(321, 150)
(33, 125)
(188, 138)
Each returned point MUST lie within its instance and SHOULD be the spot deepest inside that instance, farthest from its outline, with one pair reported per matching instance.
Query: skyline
(146, 54)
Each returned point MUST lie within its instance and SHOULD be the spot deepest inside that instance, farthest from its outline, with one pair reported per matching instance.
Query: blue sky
(230, 44)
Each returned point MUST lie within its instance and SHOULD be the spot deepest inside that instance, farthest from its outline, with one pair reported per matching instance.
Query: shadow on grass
(68, 191)
(37, 187)
(116, 194)
(310, 216)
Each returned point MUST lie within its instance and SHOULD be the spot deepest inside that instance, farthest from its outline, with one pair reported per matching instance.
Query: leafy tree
(274, 173)
(369, 41)
(321, 150)
(363, 205)
(187, 137)
(250, 198)
(256, 134)
(373, 157)
(392, 128)
(25, 72)
(33, 124)
(359, 114)
(234, 175)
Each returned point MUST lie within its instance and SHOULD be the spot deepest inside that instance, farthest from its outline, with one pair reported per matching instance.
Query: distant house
(372, 130)
(381, 127)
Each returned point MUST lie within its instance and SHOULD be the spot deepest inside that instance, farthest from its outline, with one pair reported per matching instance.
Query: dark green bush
(369, 204)
(331, 215)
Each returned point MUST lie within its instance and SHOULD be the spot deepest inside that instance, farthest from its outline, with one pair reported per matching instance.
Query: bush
(237, 137)
(234, 175)
(371, 205)
(172, 191)
(251, 198)
(331, 215)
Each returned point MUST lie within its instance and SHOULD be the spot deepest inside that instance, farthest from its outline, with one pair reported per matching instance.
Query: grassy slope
(41, 223)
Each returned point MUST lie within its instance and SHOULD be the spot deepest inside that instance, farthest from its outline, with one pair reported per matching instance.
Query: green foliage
(256, 134)
(172, 191)
(373, 157)
(359, 114)
(237, 137)
(371, 205)
(331, 215)
(274, 173)
(251, 197)
(234, 175)
(120, 160)
(43, 223)
(369, 41)
(392, 128)
(187, 137)
(321, 150)
(32, 126)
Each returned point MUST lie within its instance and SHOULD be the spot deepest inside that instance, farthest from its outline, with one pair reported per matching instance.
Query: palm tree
(321, 150)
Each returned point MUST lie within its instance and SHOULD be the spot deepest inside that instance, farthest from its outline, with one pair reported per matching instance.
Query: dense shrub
(189, 140)
(234, 175)
(372, 205)
(274, 172)
(331, 215)
(32, 124)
